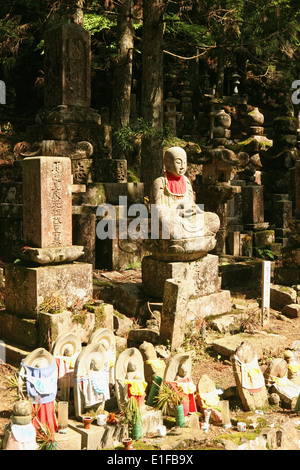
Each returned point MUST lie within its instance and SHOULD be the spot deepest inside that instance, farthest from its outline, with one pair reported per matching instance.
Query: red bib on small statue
(176, 184)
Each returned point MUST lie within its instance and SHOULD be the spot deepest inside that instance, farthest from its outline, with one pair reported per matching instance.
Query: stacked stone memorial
(289, 274)
(278, 174)
(48, 278)
(215, 188)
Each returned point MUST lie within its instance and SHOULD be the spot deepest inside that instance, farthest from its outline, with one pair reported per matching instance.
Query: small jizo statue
(91, 379)
(130, 377)
(20, 434)
(188, 229)
(178, 374)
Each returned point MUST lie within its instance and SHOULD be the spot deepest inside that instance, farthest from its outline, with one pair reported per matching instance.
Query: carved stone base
(29, 288)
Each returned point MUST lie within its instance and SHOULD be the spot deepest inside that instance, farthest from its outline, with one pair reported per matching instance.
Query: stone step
(18, 330)
(14, 353)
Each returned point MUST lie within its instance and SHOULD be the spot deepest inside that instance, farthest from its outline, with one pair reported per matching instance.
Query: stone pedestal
(48, 279)
(202, 275)
(29, 288)
(189, 291)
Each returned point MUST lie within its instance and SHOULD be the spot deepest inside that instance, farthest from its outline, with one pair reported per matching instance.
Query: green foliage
(127, 136)
(168, 398)
(96, 23)
(265, 253)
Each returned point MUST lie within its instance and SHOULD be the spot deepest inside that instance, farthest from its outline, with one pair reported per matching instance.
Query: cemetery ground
(206, 360)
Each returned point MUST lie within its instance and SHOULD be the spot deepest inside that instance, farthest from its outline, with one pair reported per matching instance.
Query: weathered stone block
(233, 239)
(201, 274)
(27, 288)
(216, 303)
(291, 310)
(253, 204)
(282, 213)
(173, 318)
(280, 296)
(287, 276)
(101, 193)
(104, 314)
(50, 326)
(18, 330)
(128, 298)
(264, 238)
(68, 441)
(67, 66)
(84, 233)
(291, 257)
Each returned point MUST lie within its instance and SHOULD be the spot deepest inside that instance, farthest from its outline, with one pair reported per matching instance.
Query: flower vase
(179, 416)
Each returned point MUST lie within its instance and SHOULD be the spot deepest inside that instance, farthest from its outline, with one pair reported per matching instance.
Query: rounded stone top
(175, 152)
(148, 351)
(22, 408)
(22, 413)
(67, 344)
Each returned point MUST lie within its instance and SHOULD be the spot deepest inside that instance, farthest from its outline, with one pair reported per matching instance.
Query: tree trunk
(152, 90)
(123, 69)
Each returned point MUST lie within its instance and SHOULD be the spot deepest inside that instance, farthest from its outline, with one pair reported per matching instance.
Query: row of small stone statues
(95, 373)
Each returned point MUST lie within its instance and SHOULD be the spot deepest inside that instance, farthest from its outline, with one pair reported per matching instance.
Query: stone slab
(208, 305)
(239, 273)
(287, 276)
(253, 204)
(28, 287)
(99, 437)
(18, 330)
(173, 317)
(202, 275)
(82, 324)
(280, 296)
(71, 440)
(128, 298)
(269, 344)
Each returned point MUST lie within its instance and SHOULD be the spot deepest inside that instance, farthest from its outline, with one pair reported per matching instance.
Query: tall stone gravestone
(47, 268)
(67, 118)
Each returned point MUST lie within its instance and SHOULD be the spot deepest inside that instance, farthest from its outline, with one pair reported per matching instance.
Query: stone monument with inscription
(47, 270)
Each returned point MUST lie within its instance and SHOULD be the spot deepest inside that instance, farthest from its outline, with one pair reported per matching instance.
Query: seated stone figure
(184, 230)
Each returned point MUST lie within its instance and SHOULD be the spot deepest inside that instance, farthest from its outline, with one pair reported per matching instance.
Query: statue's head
(131, 367)
(175, 160)
(183, 370)
(96, 363)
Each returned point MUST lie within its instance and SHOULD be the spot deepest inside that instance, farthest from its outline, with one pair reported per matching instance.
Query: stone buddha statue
(185, 231)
